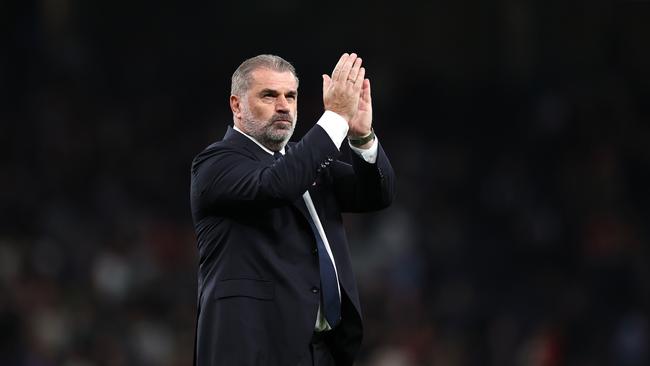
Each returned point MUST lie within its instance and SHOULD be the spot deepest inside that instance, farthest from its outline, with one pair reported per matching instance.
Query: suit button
(315, 290)
(330, 159)
(323, 165)
(314, 251)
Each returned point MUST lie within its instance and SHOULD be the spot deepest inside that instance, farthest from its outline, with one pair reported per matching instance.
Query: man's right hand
(341, 91)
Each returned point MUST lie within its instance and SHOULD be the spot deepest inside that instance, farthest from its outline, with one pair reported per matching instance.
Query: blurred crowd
(519, 235)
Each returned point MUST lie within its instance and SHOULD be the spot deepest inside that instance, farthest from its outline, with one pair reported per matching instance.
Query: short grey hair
(241, 78)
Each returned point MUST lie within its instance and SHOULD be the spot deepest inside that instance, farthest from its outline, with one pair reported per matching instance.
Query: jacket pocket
(257, 289)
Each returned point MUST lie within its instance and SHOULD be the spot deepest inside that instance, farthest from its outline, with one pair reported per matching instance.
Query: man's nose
(282, 104)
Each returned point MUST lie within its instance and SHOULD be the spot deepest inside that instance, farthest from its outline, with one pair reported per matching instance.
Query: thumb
(326, 83)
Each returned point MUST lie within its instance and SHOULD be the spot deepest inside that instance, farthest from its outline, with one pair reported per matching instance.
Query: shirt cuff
(335, 126)
(369, 154)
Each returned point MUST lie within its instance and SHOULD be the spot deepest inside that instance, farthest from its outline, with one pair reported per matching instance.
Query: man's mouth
(283, 123)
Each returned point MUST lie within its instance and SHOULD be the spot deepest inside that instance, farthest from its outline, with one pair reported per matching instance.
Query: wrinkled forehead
(263, 78)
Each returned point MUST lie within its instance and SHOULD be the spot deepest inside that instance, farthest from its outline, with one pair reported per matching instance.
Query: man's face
(268, 111)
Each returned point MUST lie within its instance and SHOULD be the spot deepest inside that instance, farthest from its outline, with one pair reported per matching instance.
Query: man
(275, 280)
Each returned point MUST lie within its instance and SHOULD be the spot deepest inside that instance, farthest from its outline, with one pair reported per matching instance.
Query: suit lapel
(300, 205)
(237, 138)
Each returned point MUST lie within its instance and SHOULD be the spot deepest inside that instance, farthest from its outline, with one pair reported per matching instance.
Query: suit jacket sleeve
(362, 186)
(228, 174)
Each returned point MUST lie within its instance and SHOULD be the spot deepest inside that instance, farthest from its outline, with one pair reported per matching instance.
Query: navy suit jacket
(258, 277)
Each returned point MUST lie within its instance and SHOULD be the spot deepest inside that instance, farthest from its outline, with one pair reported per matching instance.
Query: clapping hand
(341, 92)
(347, 93)
(361, 122)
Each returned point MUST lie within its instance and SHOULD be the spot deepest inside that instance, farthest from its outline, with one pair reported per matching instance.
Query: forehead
(269, 79)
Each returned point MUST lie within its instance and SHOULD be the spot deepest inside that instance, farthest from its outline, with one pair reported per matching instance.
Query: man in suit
(275, 282)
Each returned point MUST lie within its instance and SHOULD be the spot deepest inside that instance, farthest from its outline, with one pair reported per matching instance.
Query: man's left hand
(361, 122)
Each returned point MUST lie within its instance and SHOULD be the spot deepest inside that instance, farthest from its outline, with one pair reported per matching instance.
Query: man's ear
(235, 106)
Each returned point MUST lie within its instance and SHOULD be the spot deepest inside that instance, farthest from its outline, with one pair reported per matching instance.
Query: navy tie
(329, 286)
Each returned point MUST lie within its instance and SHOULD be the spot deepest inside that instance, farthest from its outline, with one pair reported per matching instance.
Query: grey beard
(272, 141)
(271, 138)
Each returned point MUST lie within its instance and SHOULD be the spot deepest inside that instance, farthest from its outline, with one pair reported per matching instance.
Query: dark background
(518, 130)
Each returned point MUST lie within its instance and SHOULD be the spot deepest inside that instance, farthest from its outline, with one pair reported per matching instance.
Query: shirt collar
(255, 141)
